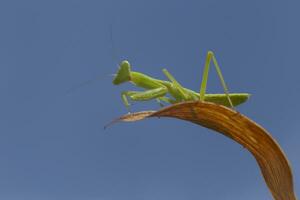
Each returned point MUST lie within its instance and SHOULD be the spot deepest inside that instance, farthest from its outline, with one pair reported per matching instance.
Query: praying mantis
(172, 91)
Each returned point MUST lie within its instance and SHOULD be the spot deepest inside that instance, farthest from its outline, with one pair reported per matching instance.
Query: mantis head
(123, 74)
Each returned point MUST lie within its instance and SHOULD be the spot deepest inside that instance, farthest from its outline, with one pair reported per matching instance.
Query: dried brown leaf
(272, 161)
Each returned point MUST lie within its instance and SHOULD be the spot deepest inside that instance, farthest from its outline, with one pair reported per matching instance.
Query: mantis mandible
(171, 91)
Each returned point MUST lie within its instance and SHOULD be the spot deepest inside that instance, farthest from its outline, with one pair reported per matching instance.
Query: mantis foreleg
(210, 56)
(144, 95)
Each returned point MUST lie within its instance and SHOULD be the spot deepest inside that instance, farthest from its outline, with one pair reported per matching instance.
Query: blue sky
(52, 144)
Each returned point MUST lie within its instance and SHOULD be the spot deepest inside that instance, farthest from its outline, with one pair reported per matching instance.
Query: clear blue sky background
(52, 144)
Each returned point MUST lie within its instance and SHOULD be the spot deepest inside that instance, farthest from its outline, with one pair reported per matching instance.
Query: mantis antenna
(88, 82)
(114, 58)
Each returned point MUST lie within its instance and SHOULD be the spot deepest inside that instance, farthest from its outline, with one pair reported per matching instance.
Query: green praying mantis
(171, 91)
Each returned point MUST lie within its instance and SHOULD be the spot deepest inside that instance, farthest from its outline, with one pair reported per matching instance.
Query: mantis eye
(123, 74)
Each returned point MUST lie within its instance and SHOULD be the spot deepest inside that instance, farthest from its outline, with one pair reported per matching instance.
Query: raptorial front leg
(211, 56)
(124, 96)
(143, 96)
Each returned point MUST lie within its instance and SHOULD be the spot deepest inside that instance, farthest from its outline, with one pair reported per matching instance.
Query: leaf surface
(272, 161)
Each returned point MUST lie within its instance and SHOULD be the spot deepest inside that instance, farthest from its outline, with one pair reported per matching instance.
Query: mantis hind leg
(211, 56)
(143, 96)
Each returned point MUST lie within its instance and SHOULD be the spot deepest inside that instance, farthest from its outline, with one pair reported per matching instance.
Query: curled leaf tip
(131, 117)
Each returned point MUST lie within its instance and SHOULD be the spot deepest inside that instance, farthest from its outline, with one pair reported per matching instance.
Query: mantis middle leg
(183, 95)
(167, 100)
